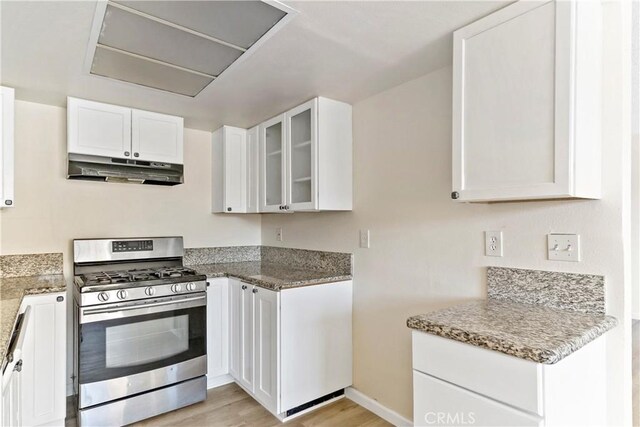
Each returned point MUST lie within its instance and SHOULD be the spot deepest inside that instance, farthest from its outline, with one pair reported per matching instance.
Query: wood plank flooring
(230, 406)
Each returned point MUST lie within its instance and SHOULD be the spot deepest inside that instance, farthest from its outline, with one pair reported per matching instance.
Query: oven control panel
(109, 296)
(131, 245)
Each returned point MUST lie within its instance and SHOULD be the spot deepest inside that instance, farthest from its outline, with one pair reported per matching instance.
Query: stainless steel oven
(141, 341)
(129, 348)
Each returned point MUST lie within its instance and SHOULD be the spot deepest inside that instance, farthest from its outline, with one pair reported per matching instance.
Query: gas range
(140, 329)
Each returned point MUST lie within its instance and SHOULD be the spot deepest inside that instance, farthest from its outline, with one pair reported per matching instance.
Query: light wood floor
(229, 406)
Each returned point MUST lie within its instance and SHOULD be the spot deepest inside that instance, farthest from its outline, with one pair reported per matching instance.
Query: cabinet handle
(255, 290)
(136, 155)
(126, 153)
(244, 287)
(228, 209)
(455, 195)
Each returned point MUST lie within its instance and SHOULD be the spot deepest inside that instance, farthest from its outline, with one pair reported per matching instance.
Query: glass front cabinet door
(273, 162)
(301, 173)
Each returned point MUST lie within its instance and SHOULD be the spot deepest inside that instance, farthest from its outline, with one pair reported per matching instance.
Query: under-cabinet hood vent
(96, 168)
(178, 46)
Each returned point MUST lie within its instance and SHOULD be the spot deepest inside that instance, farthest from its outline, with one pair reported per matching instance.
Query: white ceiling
(342, 50)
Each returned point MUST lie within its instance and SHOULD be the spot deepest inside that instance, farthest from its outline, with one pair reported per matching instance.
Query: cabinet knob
(286, 207)
(255, 290)
(8, 202)
(136, 155)
(126, 153)
(281, 207)
(455, 195)
(244, 287)
(228, 209)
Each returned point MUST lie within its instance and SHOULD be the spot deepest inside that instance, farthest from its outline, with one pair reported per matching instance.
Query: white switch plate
(563, 247)
(279, 234)
(493, 243)
(364, 239)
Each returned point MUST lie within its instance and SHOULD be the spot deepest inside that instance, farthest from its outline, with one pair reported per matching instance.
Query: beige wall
(427, 251)
(51, 211)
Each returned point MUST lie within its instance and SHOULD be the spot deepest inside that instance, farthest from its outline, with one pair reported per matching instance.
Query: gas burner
(126, 276)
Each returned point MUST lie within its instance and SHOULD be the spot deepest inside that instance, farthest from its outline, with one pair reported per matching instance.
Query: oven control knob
(149, 291)
(191, 287)
(122, 294)
(103, 296)
(176, 288)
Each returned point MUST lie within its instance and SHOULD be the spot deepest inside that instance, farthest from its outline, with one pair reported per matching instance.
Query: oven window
(126, 346)
(148, 341)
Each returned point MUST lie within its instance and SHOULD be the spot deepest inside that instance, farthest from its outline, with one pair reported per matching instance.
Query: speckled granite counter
(528, 331)
(270, 275)
(542, 316)
(12, 290)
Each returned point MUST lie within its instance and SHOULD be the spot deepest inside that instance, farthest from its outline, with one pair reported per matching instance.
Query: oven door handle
(100, 314)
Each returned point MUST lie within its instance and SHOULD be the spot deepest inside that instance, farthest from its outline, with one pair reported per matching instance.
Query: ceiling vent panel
(241, 23)
(136, 34)
(178, 46)
(134, 69)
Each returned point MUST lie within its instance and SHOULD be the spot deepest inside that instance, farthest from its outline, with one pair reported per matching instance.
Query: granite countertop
(12, 290)
(269, 275)
(529, 331)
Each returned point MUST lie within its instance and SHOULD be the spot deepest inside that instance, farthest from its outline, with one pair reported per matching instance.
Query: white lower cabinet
(455, 383)
(217, 332)
(290, 347)
(36, 392)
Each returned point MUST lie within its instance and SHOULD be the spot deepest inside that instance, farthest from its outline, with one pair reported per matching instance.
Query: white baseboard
(377, 408)
(219, 381)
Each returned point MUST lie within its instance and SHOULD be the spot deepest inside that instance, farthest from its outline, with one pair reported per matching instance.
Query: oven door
(130, 348)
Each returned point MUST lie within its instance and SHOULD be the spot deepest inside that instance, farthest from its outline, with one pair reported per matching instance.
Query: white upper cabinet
(229, 184)
(273, 164)
(7, 99)
(98, 129)
(157, 137)
(306, 158)
(526, 96)
(302, 176)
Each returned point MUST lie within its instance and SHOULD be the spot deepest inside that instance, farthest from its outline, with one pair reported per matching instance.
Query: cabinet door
(253, 169)
(7, 107)
(98, 129)
(157, 137)
(234, 150)
(235, 328)
(217, 328)
(266, 348)
(511, 104)
(272, 165)
(436, 402)
(247, 370)
(44, 361)
(302, 148)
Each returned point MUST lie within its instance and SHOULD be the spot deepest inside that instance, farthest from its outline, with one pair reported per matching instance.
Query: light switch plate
(563, 247)
(493, 243)
(279, 234)
(364, 239)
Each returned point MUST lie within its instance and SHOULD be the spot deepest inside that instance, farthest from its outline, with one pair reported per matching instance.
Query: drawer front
(438, 403)
(505, 378)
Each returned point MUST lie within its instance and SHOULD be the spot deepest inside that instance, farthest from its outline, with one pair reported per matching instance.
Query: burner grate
(125, 276)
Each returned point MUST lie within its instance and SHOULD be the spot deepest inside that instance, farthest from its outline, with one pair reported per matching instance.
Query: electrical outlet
(279, 234)
(493, 243)
(563, 247)
(364, 239)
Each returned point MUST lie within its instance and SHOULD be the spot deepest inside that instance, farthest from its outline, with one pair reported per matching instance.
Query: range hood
(96, 168)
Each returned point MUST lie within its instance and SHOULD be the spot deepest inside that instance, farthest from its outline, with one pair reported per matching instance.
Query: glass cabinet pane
(273, 164)
(301, 145)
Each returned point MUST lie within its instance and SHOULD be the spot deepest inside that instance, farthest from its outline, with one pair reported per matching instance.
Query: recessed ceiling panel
(137, 34)
(128, 68)
(241, 23)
